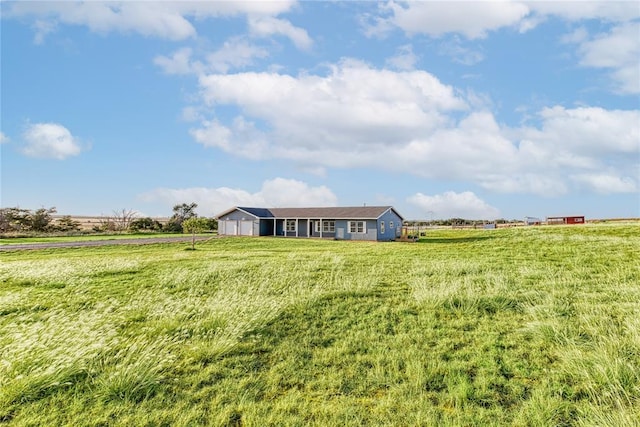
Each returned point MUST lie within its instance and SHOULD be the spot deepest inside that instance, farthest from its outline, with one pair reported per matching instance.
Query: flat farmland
(535, 326)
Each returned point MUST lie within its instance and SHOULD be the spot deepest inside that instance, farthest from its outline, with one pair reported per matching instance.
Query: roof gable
(346, 212)
(258, 212)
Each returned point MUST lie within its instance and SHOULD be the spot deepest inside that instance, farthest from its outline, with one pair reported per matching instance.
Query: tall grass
(527, 327)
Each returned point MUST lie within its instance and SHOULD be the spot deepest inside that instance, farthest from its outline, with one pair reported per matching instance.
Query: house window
(291, 225)
(357, 227)
(381, 227)
(327, 226)
(391, 225)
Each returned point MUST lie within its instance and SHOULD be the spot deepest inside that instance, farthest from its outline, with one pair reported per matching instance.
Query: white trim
(350, 225)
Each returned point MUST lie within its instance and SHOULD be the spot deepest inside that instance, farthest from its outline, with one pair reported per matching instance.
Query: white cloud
(265, 26)
(234, 54)
(162, 19)
(178, 63)
(353, 106)
(404, 59)
(606, 183)
(3, 138)
(454, 205)
(577, 10)
(618, 51)
(436, 18)
(50, 140)
(590, 131)
(474, 19)
(357, 116)
(278, 192)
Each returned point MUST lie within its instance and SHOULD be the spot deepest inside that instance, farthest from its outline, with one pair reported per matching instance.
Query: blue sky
(478, 109)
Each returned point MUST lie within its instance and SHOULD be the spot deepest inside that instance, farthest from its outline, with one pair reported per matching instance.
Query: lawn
(536, 326)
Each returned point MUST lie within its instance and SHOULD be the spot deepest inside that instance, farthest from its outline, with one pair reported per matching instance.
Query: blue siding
(389, 233)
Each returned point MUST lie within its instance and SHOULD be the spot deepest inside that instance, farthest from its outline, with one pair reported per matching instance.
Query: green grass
(532, 326)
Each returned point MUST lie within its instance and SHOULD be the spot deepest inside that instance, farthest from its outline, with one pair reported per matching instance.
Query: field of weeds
(535, 326)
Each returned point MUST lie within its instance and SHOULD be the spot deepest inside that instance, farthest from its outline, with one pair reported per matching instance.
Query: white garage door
(230, 228)
(246, 228)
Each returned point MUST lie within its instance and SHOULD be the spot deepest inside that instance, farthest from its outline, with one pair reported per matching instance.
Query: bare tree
(122, 219)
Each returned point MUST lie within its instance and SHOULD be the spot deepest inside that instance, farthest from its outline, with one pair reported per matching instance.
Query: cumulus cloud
(404, 59)
(618, 51)
(606, 183)
(50, 140)
(179, 62)
(454, 205)
(354, 106)
(278, 192)
(169, 20)
(265, 26)
(471, 19)
(3, 138)
(408, 121)
(235, 53)
(475, 20)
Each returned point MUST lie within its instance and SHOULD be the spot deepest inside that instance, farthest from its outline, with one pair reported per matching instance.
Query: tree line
(184, 219)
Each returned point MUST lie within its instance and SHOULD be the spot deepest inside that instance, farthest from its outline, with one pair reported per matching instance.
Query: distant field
(535, 326)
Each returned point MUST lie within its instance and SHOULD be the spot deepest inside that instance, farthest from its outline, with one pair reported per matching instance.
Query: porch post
(275, 225)
(321, 224)
(296, 227)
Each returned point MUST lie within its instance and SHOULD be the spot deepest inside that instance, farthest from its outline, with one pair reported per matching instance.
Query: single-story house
(342, 223)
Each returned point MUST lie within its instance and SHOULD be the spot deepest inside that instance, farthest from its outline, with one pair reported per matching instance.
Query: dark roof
(356, 212)
(259, 212)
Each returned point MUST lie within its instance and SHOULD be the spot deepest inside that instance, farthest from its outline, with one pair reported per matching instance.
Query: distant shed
(558, 220)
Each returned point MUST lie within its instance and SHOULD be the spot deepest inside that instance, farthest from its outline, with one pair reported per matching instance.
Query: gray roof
(354, 212)
(258, 212)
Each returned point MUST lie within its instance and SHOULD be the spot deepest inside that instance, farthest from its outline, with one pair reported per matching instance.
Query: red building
(555, 220)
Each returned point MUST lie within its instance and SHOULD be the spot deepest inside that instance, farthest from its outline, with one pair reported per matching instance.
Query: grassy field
(536, 326)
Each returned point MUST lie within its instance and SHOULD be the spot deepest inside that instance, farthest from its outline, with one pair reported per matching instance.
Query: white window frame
(290, 225)
(381, 227)
(329, 226)
(357, 227)
(316, 226)
(391, 225)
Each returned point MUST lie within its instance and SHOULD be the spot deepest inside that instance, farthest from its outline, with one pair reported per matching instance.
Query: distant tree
(146, 224)
(122, 219)
(66, 223)
(181, 213)
(212, 224)
(194, 225)
(105, 224)
(41, 219)
(14, 219)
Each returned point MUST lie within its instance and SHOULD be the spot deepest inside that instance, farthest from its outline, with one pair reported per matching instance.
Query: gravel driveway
(87, 243)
